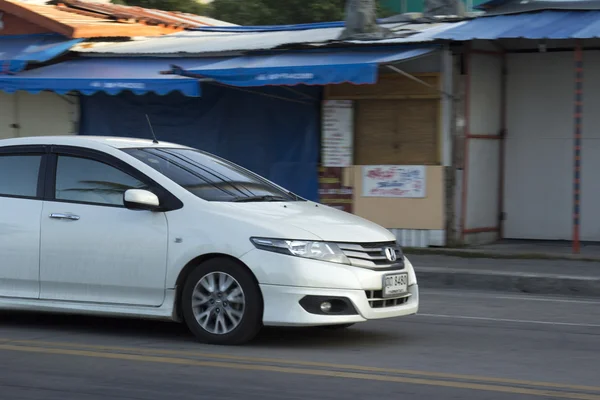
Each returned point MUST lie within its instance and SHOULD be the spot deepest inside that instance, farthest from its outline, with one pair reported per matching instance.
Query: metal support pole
(577, 146)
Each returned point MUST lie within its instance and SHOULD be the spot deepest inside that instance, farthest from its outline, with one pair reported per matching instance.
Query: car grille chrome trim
(372, 255)
(376, 301)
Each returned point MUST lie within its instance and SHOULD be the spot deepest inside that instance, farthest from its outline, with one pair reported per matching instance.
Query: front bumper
(282, 306)
(286, 280)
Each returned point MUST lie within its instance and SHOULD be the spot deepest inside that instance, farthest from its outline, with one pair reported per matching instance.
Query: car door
(21, 191)
(93, 249)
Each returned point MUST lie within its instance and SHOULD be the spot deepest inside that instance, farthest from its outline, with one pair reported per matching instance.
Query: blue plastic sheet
(19, 50)
(302, 67)
(276, 138)
(109, 75)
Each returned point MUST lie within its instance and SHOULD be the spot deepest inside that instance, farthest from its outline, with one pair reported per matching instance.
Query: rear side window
(19, 175)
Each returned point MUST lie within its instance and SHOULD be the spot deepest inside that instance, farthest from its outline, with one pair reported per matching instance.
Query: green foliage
(277, 12)
(282, 12)
(187, 6)
(258, 12)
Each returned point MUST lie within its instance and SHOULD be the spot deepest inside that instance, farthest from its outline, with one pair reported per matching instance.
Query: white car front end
(334, 274)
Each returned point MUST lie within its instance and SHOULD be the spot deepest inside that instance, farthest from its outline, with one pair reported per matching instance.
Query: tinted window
(19, 175)
(209, 177)
(89, 181)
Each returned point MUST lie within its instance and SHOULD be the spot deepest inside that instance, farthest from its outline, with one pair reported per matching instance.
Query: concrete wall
(44, 114)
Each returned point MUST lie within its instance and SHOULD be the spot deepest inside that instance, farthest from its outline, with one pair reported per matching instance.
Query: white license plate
(395, 285)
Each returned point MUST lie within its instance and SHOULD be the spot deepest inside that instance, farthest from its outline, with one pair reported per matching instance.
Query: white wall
(483, 172)
(7, 113)
(539, 146)
(590, 148)
(38, 114)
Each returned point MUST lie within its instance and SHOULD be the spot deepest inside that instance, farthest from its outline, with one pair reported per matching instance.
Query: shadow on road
(148, 330)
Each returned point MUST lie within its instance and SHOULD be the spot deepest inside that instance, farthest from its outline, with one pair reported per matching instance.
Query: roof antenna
(154, 140)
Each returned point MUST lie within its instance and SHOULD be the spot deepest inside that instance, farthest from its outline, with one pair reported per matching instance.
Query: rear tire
(221, 303)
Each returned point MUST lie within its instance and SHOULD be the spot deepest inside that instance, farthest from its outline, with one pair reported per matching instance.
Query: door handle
(64, 216)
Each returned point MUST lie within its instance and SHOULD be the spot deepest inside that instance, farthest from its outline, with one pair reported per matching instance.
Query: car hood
(325, 222)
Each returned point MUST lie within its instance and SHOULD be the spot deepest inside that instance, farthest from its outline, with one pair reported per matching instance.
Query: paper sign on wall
(337, 133)
(393, 181)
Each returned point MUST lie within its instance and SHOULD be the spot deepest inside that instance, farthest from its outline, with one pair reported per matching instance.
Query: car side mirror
(139, 199)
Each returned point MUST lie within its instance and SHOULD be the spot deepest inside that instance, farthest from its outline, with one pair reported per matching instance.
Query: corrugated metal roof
(501, 7)
(198, 42)
(539, 25)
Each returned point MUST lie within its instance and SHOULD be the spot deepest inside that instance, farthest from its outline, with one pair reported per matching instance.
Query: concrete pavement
(462, 345)
(547, 277)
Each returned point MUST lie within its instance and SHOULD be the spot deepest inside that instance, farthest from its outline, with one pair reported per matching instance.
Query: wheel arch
(194, 263)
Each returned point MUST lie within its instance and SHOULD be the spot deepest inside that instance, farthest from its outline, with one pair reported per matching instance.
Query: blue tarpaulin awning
(19, 50)
(108, 75)
(321, 67)
(539, 25)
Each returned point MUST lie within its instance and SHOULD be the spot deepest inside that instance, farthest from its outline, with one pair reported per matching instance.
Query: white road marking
(521, 321)
(523, 297)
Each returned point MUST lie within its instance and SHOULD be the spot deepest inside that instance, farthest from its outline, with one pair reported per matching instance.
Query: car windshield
(210, 177)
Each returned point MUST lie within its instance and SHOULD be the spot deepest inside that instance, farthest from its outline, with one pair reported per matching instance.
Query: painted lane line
(234, 358)
(521, 321)
(524, 297)
(301, 371)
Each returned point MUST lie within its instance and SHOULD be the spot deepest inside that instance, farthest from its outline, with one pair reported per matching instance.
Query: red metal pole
(467, 133)
(577, 146)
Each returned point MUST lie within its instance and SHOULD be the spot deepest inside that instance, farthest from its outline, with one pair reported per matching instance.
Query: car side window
(90, 181)
(19, 175)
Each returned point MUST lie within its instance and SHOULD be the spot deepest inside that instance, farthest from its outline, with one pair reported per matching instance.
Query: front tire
(222, 303)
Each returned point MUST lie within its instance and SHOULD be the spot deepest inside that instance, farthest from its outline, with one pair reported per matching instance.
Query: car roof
(87, 141)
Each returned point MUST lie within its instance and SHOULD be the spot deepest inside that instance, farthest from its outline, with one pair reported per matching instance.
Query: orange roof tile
(83, 19)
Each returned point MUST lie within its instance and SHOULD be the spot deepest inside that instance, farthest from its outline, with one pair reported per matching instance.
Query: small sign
(393, 181)
(338, 133)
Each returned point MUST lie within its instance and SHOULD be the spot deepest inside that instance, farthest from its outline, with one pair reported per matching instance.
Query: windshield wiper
(259, 198)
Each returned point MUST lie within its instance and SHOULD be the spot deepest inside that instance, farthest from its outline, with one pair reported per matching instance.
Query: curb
(470, 253)
(542, 284)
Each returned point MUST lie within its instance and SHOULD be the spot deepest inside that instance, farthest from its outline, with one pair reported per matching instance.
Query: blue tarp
(538, 25)
(19, 50)
(275, 138)
(305, 67)
(109, 75)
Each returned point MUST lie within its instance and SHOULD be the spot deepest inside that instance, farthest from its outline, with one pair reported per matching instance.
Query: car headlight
(322, 251)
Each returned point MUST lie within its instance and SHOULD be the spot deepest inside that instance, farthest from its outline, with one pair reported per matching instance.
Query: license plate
(395, 285)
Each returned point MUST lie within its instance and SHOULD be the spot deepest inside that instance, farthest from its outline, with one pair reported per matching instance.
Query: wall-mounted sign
(337, 133)
(393, 181)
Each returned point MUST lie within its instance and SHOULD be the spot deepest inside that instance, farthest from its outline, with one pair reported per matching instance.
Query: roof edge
(36, 18)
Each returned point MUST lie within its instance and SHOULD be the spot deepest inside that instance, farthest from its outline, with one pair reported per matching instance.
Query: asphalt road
(460, 346)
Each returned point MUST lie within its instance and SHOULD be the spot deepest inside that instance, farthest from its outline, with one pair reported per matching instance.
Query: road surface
(461, 346)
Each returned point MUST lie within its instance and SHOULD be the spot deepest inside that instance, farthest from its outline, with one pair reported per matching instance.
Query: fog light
(325, 306)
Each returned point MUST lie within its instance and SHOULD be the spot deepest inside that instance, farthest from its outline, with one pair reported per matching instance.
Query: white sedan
(115, 226)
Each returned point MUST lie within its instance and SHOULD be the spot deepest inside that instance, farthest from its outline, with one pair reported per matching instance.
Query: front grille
(376, 299)
(372, 255)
